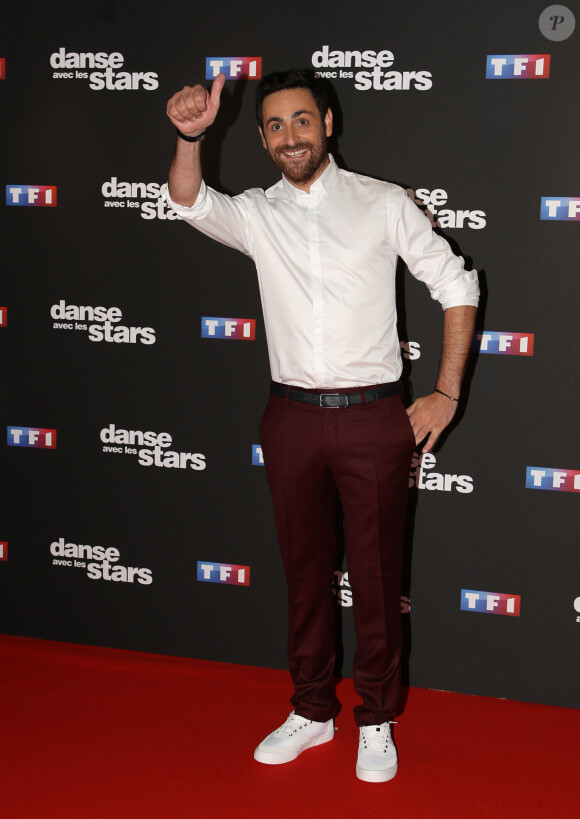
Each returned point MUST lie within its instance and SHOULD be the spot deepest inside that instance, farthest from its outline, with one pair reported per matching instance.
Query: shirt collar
(324, 182)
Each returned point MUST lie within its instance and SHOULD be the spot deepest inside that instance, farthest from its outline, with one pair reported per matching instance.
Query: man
(325, 243)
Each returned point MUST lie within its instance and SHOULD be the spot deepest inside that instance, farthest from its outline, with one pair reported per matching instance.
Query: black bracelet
(445, 394)
(197, 138)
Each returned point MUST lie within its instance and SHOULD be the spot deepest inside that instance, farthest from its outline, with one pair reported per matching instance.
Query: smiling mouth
(294, 153)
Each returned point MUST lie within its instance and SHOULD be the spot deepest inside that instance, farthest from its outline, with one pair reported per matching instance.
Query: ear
(263, 138)
(328, 122)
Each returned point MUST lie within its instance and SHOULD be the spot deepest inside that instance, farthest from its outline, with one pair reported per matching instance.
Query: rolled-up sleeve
(223, 218)
(428, 256)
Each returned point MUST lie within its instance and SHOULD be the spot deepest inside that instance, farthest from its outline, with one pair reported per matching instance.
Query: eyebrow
(292, 116)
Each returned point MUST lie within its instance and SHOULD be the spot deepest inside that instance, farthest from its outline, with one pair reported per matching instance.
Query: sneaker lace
(377, 737)
(293, 723)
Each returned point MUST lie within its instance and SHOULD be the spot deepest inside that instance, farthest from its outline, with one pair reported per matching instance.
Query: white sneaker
(377, 756)
(289, 740)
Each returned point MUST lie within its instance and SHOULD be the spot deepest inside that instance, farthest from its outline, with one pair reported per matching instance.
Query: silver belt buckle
(331, 395)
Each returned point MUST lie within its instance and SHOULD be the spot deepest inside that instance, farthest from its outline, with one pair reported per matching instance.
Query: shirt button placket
(317, 292)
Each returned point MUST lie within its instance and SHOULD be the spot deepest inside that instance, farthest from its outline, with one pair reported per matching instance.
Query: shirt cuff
(464, 290)
(200, 208)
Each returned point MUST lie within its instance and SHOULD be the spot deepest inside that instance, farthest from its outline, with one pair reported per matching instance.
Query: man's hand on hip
(430, 415)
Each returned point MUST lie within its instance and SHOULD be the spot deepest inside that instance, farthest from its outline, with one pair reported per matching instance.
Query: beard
(302, 169)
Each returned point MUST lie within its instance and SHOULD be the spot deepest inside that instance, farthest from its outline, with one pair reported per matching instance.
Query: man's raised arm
(191, 110)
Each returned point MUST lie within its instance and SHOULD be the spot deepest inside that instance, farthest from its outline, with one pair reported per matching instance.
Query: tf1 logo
(560, 208)
(31, 196)
(558, 480)
(3, 316)
(228, 328)
(3, 550)
(490, 341)
(228, 573)
(257, 455)
(517, 66)
(490, 602)
(235, 68)
(2, 68)
(32, 437)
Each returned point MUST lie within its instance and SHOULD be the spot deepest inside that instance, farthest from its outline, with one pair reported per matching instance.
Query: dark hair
(294, 78)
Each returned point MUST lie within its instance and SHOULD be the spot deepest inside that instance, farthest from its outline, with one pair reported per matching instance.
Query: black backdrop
(502, 527)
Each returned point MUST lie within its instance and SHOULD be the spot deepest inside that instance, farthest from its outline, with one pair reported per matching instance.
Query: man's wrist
(451, 398)
(187, 138)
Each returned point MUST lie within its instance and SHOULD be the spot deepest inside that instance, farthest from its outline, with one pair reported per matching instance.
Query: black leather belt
(335, 400)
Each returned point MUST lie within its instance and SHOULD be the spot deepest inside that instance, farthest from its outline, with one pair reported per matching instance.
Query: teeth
(295, 153)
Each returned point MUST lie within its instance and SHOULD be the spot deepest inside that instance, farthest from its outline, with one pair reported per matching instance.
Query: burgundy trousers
(364, 453)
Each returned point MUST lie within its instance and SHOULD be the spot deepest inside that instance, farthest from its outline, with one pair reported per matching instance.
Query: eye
(303, 122)
(276, 126)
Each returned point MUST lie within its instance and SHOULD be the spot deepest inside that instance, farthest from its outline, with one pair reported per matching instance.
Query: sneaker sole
(269, 758)
(376, 776)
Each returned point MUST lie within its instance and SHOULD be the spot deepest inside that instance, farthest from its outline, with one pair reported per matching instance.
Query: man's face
(294, 135)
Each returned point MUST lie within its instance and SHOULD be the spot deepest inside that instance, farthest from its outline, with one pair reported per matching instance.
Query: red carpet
(90, 732)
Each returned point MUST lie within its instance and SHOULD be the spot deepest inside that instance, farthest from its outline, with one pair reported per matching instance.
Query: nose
(291, 135)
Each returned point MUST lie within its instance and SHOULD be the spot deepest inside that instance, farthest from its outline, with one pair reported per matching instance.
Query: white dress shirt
(326, 268)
